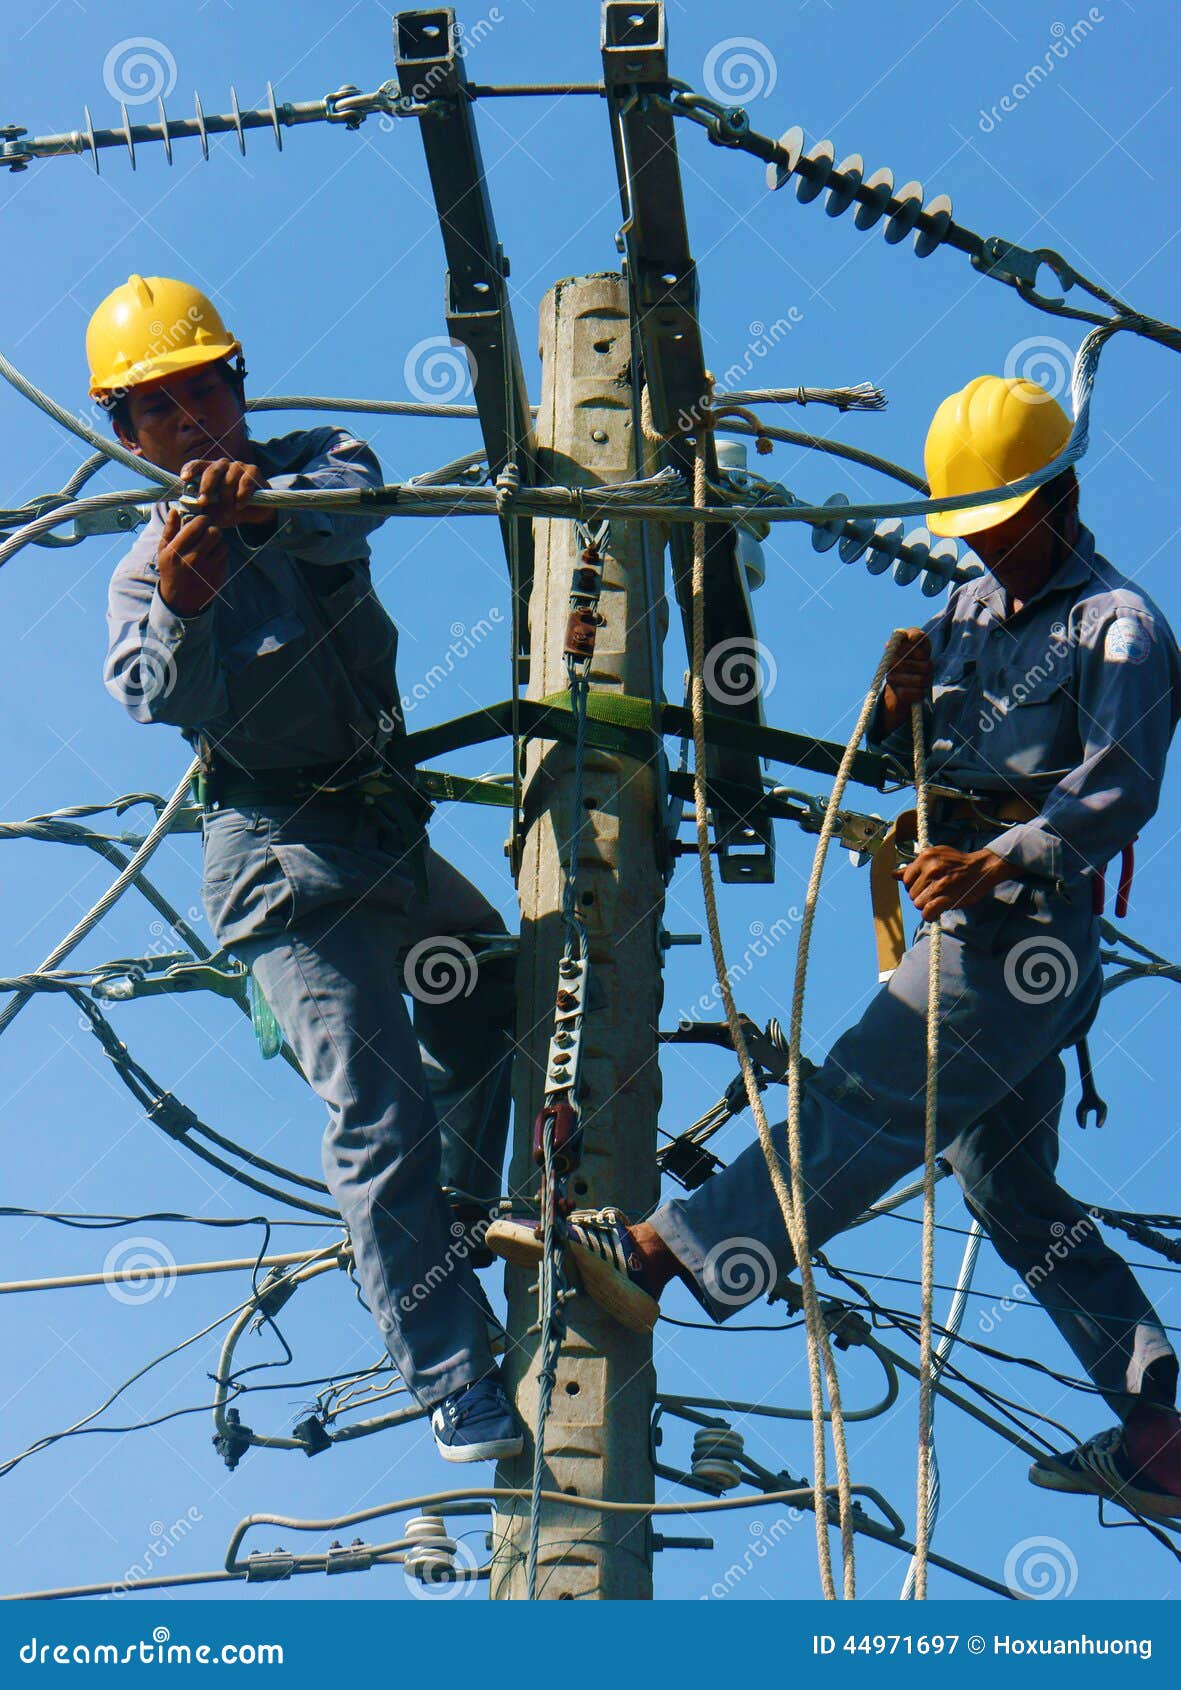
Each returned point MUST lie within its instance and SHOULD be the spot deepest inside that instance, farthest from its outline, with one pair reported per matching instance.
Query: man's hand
(191, 560)
(908, 680)
(225, 487)
(942, 878)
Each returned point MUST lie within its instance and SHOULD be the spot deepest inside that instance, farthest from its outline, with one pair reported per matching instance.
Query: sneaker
(601, 1248)
(1103, 1467)
(476, 1423)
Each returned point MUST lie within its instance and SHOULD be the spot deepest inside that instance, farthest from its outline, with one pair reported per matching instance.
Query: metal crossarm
(432, 74)
(664, 295)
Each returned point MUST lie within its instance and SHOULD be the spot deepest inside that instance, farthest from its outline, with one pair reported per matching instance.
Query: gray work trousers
(1020, 981)
(319, 900)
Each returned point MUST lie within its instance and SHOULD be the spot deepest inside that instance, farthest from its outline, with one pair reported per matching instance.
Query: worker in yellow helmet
(1051, 687)
(258, 633)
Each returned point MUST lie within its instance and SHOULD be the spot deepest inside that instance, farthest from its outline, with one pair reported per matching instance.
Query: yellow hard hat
(995, 430)
(152, 327)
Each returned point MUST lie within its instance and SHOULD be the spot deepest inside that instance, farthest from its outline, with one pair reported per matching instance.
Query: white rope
(923, 1511)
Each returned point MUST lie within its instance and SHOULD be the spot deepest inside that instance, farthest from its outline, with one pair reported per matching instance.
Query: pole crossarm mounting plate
(654, 239)
(431, 71)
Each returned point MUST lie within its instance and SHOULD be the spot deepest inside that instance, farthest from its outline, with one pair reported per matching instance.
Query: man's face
(194, 414)
(1020, 545)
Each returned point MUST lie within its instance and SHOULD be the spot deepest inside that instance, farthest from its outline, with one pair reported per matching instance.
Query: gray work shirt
(293, 661)
(1070, 703)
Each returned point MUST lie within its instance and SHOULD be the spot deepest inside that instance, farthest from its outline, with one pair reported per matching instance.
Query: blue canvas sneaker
(476, 1423)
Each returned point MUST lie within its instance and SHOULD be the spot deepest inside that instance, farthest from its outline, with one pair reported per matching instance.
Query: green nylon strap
(442, 787)
(626, 724)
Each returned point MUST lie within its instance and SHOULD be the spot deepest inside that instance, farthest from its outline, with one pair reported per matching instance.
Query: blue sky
(327, 262)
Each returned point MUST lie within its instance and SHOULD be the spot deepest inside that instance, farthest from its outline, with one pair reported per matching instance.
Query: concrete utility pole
(597, 1435)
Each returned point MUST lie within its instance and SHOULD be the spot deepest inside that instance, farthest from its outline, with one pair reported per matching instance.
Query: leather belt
(980, 809)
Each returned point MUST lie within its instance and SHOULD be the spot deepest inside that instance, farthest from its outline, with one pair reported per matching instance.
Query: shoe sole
(623, 1301)
(493, 1450)
(1066, 1483)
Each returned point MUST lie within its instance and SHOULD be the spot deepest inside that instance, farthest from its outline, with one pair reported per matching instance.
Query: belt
(981, 809)
(387, 789)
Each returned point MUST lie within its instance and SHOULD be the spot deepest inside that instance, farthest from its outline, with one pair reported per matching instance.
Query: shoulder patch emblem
(1127, 641)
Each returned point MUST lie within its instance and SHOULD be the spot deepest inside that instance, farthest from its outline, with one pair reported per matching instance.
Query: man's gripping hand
(942, 878)
(191, 562)
(908, 680)
(224, 489)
